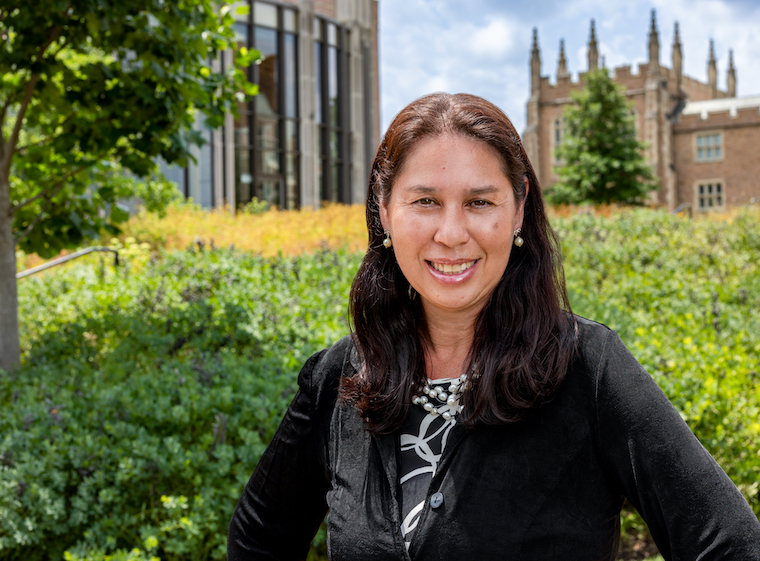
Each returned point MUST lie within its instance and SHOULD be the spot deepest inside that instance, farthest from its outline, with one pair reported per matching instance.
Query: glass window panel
(708, 153)
(720, 200)
(205, 166)
(320, 178)
(334, 145)
(267, 135)
(335, 182)
(291, 136)
(709, 189)
(717, 139)
(243, 176)
(242, 32)
(269, 162)
(717, 153)
(709, 202)
(291, 182)
(332, 84)
(701, 189)
(289, 20)
(266, 42)
(242, 131)
(317, 29)
(269, 191)
(290, 79)
(718, 188)
(318, 85)
(332, 34)
(265, 14)
(701, 202)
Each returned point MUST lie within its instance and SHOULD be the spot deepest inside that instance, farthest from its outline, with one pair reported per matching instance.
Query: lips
(449, 269)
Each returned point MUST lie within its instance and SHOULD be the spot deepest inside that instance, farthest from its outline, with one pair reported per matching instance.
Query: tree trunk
(10, 354)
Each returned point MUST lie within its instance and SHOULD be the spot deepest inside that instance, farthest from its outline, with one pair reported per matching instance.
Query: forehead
(451, 159)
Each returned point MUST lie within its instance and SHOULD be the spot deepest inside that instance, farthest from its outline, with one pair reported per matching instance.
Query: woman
(471, 415)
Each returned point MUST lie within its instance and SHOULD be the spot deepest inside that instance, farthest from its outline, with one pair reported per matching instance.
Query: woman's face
(451, 215)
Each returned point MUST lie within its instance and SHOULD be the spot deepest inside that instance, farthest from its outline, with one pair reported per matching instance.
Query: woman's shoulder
(600, 350)
(321, 373)
(594, 339)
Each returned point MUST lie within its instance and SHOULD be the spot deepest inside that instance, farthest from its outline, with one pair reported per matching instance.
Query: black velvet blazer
(549, 487)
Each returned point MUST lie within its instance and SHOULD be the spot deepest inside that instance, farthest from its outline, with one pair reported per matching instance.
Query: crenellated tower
(712, 71)
(535, 64)
(531, 140)
(677, 60)
(731, 75)
(562, 65)
(654, 47)
(593, 52)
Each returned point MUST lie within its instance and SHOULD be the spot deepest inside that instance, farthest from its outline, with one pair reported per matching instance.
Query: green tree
(94, 92)
(602, 158)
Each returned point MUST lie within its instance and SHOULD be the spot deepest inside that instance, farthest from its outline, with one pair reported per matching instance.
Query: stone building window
(559, 134)
(709, 147)
(709, 195)
(332, 110)
(266, 131)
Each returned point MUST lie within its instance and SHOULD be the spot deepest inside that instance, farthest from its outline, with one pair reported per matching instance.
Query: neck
(451, 337)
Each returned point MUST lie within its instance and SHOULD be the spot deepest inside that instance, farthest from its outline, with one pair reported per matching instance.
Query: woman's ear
(384, 219)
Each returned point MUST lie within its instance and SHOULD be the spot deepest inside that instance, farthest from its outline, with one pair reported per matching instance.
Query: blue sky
(483, 46)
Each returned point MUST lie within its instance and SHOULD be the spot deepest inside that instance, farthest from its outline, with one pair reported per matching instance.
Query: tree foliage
(601, 155)
(93, 92)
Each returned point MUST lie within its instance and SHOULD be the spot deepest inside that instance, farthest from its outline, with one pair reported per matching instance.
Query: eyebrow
(475, 191)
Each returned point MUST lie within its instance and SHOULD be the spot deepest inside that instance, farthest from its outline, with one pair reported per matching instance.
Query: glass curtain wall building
(310, 134)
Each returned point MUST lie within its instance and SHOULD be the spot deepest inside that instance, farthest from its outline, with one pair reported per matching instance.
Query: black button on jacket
(549, 487)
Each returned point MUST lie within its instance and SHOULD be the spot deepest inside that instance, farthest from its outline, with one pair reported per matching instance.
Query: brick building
(310, 134)
(701, 140)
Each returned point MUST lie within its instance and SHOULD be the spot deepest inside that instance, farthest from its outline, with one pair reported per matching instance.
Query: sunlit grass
(288, 232)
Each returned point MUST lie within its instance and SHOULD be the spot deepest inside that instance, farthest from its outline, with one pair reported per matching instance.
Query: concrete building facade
(700, 138)
(309, 135)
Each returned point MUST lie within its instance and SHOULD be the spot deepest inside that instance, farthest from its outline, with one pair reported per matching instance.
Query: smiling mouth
(451, 269)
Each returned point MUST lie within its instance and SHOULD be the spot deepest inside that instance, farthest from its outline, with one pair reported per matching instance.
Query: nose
(452, 228)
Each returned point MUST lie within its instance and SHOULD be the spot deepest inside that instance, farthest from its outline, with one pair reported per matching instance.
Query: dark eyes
(477, 203)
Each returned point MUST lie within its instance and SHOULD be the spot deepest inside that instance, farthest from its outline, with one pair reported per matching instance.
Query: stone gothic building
(701, 140)
(310, 134)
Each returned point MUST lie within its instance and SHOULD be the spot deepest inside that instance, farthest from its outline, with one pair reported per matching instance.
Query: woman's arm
(284, 501)
(692, 508)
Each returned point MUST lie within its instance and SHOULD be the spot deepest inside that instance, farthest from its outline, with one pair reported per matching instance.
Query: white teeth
(452, 269)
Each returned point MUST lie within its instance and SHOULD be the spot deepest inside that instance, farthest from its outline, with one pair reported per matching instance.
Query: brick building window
(709, 195)
(709, 147)
(559, 134)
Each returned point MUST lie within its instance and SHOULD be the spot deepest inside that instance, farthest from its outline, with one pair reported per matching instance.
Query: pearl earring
(387, 241)
(518, 239)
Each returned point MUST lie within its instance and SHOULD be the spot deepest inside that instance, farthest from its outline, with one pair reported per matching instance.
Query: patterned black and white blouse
(422, 439)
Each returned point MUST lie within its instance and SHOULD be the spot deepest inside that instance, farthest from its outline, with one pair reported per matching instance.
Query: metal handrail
(681, 207)
(69, 257)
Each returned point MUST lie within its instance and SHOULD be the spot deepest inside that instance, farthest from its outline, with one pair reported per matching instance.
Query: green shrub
(149, 395)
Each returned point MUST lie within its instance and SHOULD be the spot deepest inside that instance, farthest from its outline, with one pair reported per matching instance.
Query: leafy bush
(684, 296)
(148, 393)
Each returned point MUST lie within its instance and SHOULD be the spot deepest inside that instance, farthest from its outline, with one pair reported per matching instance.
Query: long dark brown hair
(524, 336)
